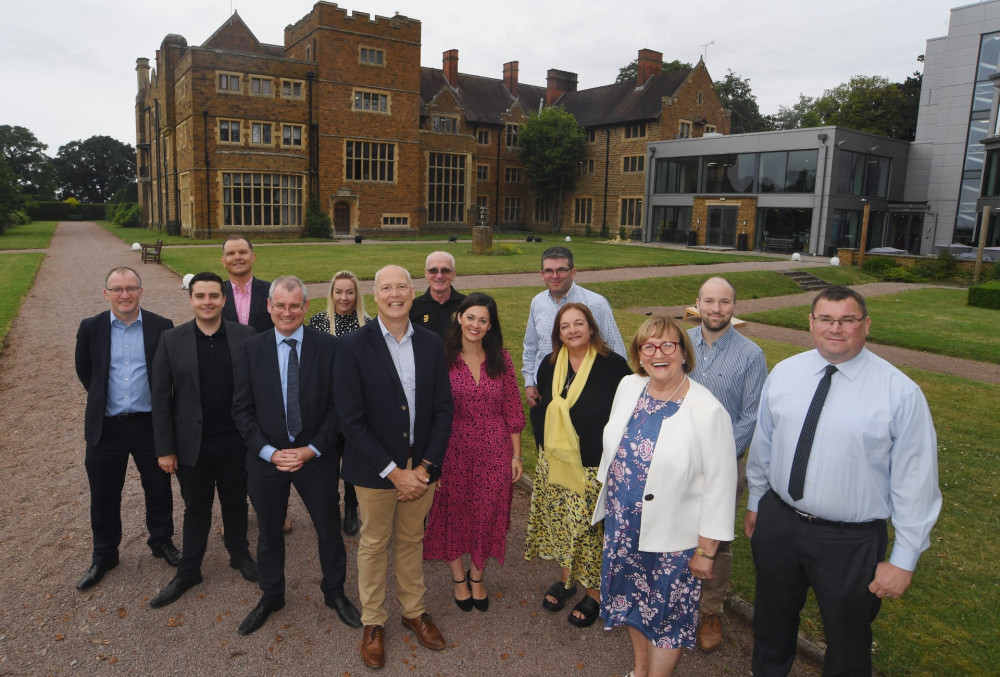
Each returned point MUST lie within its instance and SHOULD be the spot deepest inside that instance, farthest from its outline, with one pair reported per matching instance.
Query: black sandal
(480, 604)
(464, 604)
(561, 593)
(590, 609)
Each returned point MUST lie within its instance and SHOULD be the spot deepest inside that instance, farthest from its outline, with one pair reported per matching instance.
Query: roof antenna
(704, 56)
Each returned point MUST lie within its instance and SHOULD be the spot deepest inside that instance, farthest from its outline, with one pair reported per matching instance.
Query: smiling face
(558, 276)
(440, 273)
(393, 294)
(345, 297)
(287, 309)
(574, 330)
(474, 322)
(238, 258)
(716, 303)
(663, 368)
(838, 342)
(123, 292)
(207, 300)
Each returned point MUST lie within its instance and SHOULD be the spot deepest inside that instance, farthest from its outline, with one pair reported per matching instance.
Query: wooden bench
(779, 244)
(151, 252)
(691, 313)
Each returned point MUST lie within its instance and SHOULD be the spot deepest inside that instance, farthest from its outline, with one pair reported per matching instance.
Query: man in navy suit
(193, 376)
(395, 408)
(283, 406)
(246, 296)
(114, 356)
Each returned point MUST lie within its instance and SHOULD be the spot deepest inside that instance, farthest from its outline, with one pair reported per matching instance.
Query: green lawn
(17, 274)
(36, 235)
(931, 320)
(840, 275)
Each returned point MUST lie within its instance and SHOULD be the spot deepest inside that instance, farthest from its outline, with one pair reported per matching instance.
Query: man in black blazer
(194, 372)
(284, 409)
(394, 403)
(249, 303)
(114, 356)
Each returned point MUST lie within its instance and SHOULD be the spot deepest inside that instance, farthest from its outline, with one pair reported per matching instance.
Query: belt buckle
(804, 515)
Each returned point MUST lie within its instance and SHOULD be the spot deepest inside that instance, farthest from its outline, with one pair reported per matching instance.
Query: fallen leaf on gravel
(278, 639)
(122, 612)
(534, 614)
(579, 666)
(406, 661)
(60, 638)
(504, 656)
(521, 652)
(48, 595)
(524, 602)
(175, 621)
(218, 619)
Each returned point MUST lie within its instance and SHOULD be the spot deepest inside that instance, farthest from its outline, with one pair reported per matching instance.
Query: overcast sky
(67, 67)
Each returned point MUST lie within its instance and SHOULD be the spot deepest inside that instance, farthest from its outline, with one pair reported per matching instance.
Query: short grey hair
(378, 273)
(289, 283)
(427, 261)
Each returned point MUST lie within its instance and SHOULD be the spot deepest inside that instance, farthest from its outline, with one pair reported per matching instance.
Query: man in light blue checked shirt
(733, 369)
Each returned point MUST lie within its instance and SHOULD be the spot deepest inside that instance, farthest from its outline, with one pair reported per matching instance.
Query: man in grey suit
(193, 374)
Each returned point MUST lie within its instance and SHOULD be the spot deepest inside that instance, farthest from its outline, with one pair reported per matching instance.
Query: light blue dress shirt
(267, 451)
(874, 455)
(733, 369)
(542, 317)
(402, 357)
(128, 379)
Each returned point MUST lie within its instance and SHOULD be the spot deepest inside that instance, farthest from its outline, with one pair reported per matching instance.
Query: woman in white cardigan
(669, 476)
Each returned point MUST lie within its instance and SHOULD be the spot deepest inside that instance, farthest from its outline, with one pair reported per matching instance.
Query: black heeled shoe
(464, 604)
(480, 604)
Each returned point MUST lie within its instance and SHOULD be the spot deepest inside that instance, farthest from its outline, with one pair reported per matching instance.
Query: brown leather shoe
(373, 646)
(425, 630)
(710, 632)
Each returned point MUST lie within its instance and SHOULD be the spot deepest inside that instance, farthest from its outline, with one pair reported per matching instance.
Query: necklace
(683, 380)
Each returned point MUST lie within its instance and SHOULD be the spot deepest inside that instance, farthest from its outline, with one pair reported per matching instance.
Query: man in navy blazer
(194, 372)
(394, 403)
(250, 307)
(114, 356)
(283, 406)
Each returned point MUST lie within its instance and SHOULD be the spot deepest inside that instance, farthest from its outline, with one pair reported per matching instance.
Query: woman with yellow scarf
(576, 387)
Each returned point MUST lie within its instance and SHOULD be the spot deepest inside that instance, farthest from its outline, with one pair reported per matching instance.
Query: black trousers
(315, 483)
(350, 495)
(792, 555)
(106, 464)
(221, 466)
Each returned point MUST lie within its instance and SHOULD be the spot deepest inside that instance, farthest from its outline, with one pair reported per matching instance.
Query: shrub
(879, 265)
(899, 274)
(126, 215)
(504, 249)
(945, 266)
(590, 230)
(996, 271)
(19, 217)
(621, 233)
(985, 295)
(317, 221)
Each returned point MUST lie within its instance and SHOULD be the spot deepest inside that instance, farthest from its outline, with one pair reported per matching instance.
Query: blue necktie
(797, 479)
(293, 415)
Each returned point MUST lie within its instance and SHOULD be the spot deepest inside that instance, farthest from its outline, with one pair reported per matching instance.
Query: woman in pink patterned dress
(471, 510)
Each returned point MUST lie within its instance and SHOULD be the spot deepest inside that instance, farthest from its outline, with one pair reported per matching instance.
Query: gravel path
(47, 627)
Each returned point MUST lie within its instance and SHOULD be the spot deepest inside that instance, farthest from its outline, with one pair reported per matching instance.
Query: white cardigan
(691, 486)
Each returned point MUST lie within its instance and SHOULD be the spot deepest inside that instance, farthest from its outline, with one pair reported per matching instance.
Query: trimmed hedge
(64, 211)
(985, 295)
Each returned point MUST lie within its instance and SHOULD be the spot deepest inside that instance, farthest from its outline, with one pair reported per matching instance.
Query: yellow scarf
(561, 443)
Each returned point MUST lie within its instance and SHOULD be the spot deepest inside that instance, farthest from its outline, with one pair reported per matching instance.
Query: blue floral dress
(653, 592)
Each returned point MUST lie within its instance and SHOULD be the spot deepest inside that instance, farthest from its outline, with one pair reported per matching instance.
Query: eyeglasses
(667, 348)
(117, 291)
(549, 272)
(443, 271)
(844, 322)
(291, 307)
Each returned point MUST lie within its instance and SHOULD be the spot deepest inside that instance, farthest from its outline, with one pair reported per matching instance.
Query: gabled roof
(617, 103)
(484, 100)
(235, 36)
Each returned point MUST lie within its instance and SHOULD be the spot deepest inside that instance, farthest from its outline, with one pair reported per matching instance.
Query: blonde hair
(359, 304)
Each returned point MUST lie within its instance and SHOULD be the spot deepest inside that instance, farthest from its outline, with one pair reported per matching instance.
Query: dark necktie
(293, 414)
(797, 479)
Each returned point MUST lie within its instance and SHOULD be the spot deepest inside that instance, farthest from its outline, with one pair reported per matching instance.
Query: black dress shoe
(350, 519)
(168, 553)
(247, 568)
(256, 618)
(348, 612)
(94, 574)
(175, 588)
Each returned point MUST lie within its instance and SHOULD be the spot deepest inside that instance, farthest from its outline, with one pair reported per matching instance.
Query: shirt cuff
(388, 469)
(753, 500)
(315, 450)
(904, 559)
(267, 451)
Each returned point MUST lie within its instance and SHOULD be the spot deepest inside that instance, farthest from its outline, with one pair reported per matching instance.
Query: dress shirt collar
(297, 335)
(385, 331)
(245, 288)
(850, 369)
(722, 341)
(569, 293)
(114, 318)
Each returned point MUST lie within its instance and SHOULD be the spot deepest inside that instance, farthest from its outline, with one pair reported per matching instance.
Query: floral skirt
(559, 526)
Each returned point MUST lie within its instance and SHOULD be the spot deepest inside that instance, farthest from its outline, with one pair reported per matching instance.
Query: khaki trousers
(383, 516)
(713, 592)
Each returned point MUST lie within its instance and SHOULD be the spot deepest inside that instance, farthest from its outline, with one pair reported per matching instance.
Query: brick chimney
(510, 77)
(650, 64)
(558, 83)
(142, 73)
(451, 67)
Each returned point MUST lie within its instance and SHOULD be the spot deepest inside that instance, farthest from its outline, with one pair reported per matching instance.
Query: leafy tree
(10, 193)
(870, 103)
(737, 96)
(631, 71)
(95, 169)
(26, 159)
(801, 114)
(551, 146)
(317, 220)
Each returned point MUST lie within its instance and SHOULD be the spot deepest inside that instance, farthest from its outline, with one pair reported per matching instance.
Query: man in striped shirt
(733, 368)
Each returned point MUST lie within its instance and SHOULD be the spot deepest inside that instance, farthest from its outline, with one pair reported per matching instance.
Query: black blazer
(372, 406)
(259, 318)
(258, 405)
(93, 363)
(177, 417)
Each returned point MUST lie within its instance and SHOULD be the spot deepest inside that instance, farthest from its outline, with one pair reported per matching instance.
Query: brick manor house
(235, 135)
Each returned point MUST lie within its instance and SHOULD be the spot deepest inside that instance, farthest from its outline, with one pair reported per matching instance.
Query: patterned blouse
(342, 323)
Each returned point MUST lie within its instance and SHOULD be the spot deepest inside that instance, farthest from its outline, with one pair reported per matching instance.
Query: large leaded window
(367, 161)
(261, 199)
(445, 188)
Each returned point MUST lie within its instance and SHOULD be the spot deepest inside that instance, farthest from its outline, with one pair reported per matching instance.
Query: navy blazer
(372, 407)
(259, 407)
(258, 318)
(93, 363)
(177, 416)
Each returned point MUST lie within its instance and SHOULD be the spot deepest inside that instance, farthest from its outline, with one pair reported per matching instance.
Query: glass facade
(671, 224)
(733, 173)
(862, 175)
(793, 224)
(676, 175)
(975, 155)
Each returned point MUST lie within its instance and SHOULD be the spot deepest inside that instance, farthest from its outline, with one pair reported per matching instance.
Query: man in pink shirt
(246, 295)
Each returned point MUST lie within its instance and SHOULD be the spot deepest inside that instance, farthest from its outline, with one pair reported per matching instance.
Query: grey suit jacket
(177, 419)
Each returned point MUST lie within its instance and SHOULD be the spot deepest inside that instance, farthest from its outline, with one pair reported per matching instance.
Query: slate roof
(483, 99)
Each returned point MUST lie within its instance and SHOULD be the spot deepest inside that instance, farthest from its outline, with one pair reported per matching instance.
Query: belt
(819, 521)
(129, 415)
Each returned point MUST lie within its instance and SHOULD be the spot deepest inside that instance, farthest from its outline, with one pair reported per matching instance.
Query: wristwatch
(428, 466)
